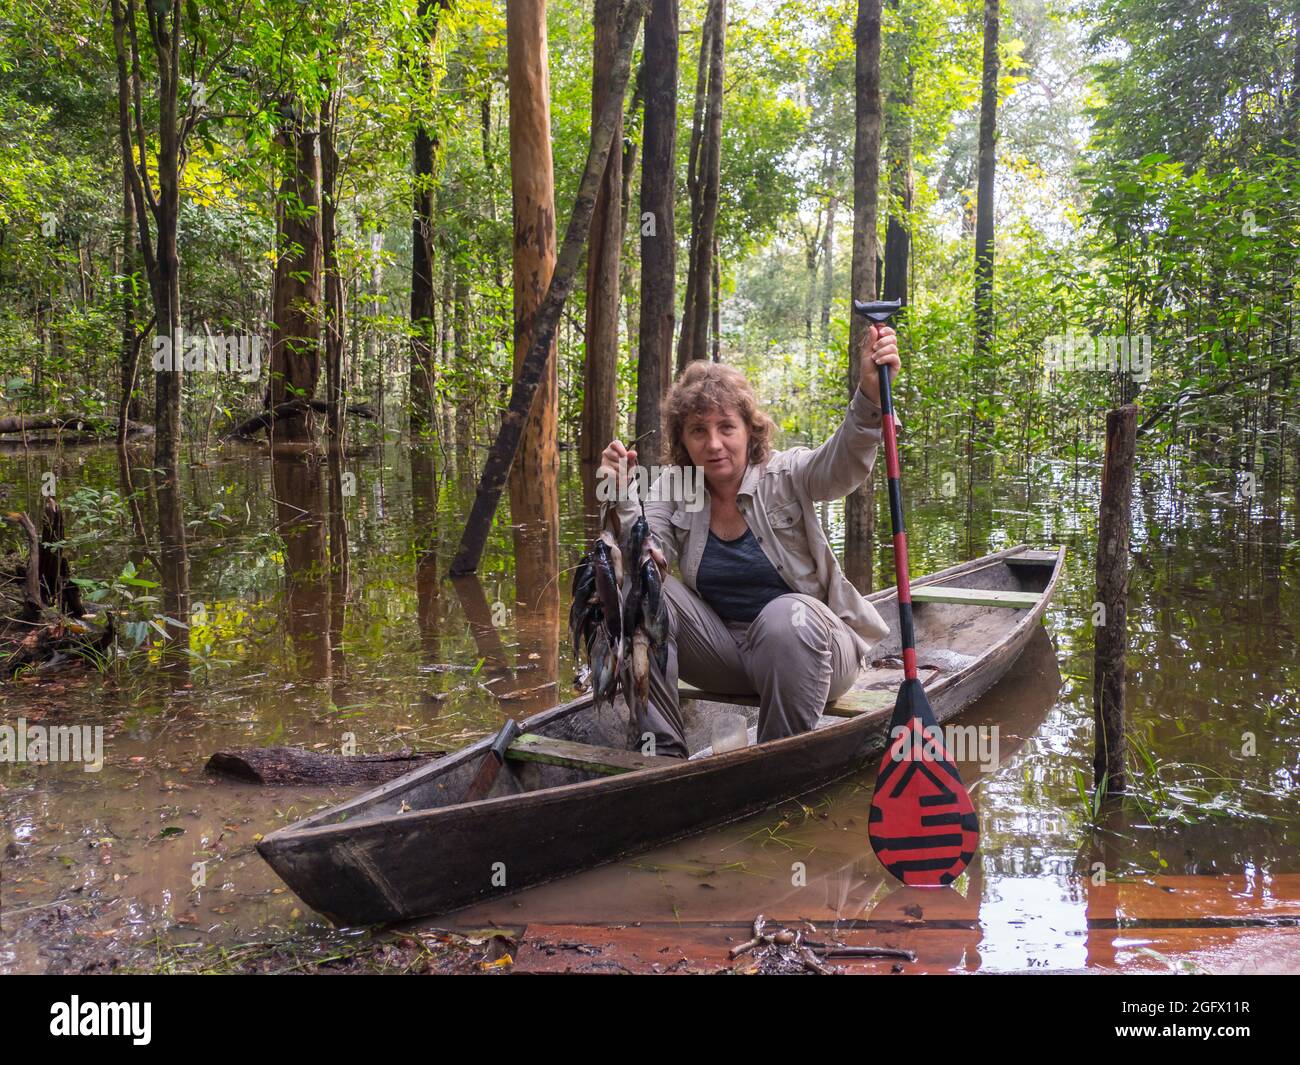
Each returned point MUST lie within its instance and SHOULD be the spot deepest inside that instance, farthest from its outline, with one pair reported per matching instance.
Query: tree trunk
(335, 307)
(984, 212)
(534, 491)
(296, 299)
(526, 39)
(859, 514)
(446, 350)
(166, 274)
(464, 361)
(703, 182)
(627, 264)
(828, 258)
(422, 317)
(600, 384)
(898, 131)
(1112, 570)
(156, 210)
(375, 291)
(658, 237)
(811, 249)
(715, 306)
(423, 154)
(130, 342)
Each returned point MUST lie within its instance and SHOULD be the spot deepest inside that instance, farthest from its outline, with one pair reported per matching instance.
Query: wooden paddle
(923, 826)
(493, 759)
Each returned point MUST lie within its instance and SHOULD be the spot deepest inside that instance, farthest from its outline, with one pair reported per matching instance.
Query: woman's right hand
(660, 560)
(615, 462)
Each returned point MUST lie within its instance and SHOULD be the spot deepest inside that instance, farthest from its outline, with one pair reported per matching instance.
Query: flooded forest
(316, 320)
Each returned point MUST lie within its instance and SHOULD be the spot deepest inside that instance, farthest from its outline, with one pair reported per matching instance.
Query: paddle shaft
(907, 634)
(493, 759)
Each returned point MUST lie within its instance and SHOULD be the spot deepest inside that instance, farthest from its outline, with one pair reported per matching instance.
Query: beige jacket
(776, 499)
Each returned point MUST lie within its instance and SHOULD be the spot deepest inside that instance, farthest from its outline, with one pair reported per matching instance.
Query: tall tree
(600, 382)
(859, 514)
(130, 338)
(154, 159)
(423, 154)
(704, 178)
(533, 489)
(828, 253)
(538, 340)
(658, 237)
(898, 134)
(296, 283)
(335, 308)
(984, 201)
(155, 150)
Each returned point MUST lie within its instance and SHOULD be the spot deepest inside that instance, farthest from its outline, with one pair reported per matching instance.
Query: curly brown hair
(708, 386)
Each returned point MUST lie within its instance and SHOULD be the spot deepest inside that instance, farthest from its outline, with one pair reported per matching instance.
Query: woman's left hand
(881, 350)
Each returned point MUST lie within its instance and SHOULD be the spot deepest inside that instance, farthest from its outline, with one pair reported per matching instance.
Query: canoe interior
(951, 639)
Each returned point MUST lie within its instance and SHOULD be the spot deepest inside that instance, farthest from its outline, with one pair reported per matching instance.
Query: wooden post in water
(1111, 643)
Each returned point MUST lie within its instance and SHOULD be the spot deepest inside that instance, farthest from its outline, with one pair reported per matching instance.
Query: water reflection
(810, 860)
(306, 580)
(300, 512)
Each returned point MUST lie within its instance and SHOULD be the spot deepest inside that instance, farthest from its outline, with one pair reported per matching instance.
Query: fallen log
(83, 423)
(294, 765)
(292, 409)
(25, 431)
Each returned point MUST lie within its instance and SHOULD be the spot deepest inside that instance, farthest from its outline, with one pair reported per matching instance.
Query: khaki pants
(797, 656)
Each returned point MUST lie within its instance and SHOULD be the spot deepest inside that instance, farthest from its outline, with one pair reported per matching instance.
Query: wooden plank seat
(607, 760)
(976, 597)
(1032, 558)
(850, 704)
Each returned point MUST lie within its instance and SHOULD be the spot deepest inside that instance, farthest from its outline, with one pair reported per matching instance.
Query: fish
(619, 615)
(646, 618)
(637, 537)
(608, 564)
(584, 597)
(634, 592)
(654, 604)
(604, 668)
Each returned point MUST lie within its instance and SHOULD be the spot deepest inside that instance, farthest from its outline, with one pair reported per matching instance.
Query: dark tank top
(736, 579)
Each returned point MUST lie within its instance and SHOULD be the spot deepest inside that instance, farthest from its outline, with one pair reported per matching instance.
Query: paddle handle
(907, 634)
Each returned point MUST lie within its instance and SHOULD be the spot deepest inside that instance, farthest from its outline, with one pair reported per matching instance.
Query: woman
(762, 606)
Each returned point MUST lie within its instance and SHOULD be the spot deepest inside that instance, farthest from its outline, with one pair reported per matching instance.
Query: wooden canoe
(571, 795)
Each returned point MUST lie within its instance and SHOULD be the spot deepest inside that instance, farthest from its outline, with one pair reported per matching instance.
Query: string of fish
(619, 615)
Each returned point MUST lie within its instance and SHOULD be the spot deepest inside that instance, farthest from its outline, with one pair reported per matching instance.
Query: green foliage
(1180, 224)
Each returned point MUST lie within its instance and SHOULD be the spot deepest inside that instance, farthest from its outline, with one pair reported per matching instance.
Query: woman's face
(717, 442)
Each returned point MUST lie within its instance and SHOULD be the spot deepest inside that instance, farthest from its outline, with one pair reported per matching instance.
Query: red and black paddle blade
(923, 826)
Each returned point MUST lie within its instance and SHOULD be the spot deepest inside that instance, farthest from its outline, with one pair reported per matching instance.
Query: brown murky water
(299, 646)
